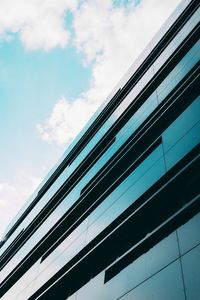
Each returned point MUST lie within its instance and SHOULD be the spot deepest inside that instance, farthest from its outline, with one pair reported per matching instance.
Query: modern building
(119, 215)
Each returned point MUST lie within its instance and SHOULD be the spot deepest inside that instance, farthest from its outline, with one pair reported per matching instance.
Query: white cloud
(13, 195)
(66, 120)
(110, 38)
(39, 23)
(6, 187)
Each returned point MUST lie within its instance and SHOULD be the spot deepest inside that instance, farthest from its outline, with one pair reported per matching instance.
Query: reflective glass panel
(189, 234)
(191, 272)
(166, 285)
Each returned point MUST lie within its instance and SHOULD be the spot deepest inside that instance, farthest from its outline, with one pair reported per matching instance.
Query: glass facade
(119, 216)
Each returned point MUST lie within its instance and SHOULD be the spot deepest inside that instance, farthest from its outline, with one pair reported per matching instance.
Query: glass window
(133, 275)
(191, 271)
(74, 243)
(146, 265)
(96, 289)
(165, 285)
(183, 146)
(60, 257)
(189, 234)
(21, 290)
(178, 73)
(74, 237)
(182, 125)
(126, 193)
(151, 262)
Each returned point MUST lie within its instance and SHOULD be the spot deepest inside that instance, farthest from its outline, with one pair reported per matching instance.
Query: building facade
(119, 215)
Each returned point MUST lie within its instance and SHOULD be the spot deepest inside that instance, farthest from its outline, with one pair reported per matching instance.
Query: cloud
(66, 120)
(110, 37)
(13, 196)
(39, 23)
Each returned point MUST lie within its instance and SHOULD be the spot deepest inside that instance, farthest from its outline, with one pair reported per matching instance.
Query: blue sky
(30, 83)
(59, 59)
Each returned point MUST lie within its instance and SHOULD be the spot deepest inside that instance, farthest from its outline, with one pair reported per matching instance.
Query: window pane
(191, 272)
(189, 234)
(165, 285)
(182, 125)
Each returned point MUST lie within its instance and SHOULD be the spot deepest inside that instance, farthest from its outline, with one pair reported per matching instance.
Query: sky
(59, 59)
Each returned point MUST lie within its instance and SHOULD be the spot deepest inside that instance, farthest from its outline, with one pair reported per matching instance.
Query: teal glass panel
(189, 234)
(191, 271)
(165, 285)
